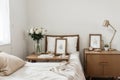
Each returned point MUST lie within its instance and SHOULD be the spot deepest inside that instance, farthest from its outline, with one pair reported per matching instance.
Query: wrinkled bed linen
(71, 71)
(49, 71)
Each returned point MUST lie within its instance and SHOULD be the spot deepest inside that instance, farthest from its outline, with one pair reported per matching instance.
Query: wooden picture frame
(60, 46)
(95, 41)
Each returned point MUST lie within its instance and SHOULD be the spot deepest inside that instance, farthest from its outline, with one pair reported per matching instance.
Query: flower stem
(38, 47)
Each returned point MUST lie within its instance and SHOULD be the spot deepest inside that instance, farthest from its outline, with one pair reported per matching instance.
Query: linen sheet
(50, 71)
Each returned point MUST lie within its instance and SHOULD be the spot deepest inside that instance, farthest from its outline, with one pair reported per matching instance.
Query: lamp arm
(112, 27)
(113, 35)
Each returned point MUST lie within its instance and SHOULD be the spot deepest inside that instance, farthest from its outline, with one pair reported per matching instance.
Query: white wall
(61, 17)
(18, 18)
(76, 17)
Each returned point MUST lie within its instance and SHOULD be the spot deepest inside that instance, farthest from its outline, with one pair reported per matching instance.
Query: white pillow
(9, 64)
(51, 44)
(74, 55)
(71, 44)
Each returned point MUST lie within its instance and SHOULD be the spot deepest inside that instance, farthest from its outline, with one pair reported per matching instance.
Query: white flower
(37, 31)
(35, 28)
(31, 31)
(44, 31)
(40, 30)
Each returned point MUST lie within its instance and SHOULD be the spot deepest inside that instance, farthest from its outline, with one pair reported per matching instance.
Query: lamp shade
(106, 23)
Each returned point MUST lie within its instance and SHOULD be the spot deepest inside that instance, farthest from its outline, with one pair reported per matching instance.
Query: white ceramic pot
(106, 48)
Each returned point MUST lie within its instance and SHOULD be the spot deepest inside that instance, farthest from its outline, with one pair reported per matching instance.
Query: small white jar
(106, 48)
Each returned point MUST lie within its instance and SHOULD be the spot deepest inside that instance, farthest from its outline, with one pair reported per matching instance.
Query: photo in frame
(60, 46)
(95, 40)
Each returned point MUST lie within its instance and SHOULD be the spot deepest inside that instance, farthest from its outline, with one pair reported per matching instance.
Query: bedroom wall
(76, 17)
(18, 21)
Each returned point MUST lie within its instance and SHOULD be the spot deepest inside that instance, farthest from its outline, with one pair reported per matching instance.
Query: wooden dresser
(102, 64)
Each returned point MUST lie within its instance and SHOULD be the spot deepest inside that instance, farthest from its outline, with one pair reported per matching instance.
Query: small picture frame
(60, 46)
(95, 41)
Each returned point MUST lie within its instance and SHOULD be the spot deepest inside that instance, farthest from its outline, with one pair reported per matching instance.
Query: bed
(71, 70)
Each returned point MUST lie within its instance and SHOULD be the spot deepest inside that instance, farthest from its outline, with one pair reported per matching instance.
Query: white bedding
(49, 71)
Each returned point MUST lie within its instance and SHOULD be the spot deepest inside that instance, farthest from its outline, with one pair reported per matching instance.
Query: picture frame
(60, 46)
(95, 41)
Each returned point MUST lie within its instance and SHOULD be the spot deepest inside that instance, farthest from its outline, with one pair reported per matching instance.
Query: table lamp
(106, 24)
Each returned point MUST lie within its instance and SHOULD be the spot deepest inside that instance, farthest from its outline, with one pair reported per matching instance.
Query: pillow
(9, 64)
(71, 44)
(74, 55)
(51, 44)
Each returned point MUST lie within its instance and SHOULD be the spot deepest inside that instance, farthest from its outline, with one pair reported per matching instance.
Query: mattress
(49, 71)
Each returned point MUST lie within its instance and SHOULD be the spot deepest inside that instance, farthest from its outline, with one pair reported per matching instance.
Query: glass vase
(37, 47)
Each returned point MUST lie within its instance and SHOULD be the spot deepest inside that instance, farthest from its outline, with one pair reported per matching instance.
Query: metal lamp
(106, 24)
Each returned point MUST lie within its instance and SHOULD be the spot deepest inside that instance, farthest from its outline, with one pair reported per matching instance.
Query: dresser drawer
(94, 66)
(113, 67)
(98, 59)
(102, 64)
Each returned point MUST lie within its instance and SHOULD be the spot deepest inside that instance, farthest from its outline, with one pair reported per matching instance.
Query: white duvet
(49, 71)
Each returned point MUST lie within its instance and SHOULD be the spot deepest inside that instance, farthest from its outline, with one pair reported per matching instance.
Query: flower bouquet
(37, 33)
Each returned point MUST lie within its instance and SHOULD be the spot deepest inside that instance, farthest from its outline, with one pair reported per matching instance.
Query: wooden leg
(90, 78)
(115, 78)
